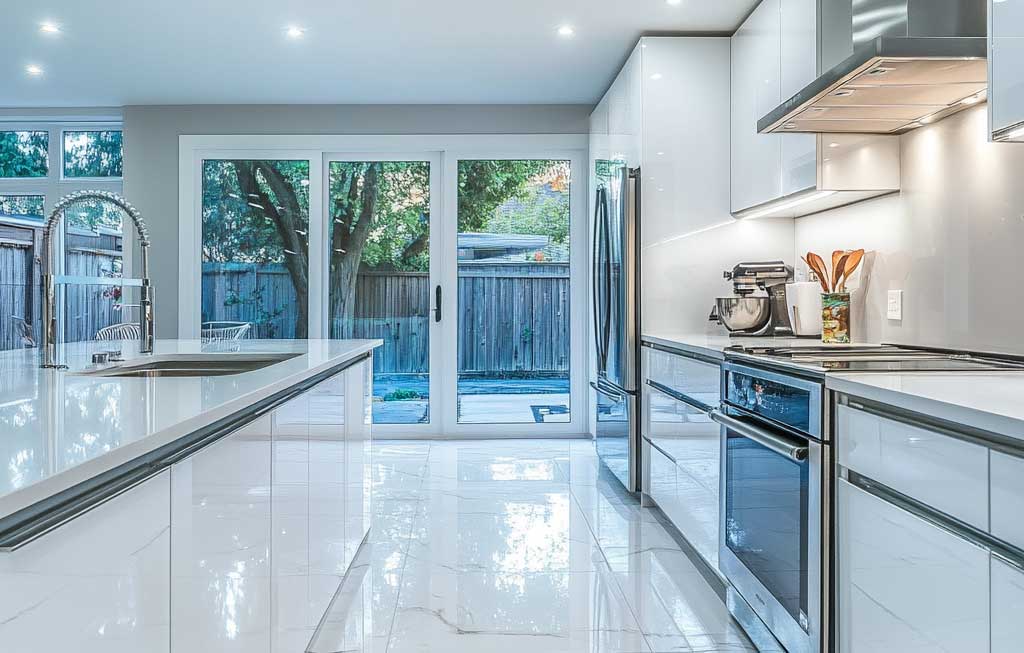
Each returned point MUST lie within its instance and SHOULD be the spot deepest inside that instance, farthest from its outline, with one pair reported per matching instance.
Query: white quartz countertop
(59, 429)
(714, 344)
(991, 401)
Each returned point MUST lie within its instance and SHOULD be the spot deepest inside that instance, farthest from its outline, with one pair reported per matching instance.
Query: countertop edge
(685, 347)
(944, 410)
(51, 486)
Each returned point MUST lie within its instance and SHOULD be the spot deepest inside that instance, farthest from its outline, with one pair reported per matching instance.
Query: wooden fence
(513, 317)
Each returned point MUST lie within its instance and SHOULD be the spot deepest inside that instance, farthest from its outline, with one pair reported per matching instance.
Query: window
(21, 207)
(86, 156)
(92, 154)
(24, 154)
(255, 249)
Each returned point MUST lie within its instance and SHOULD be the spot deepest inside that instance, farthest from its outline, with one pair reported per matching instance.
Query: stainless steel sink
(191, 365)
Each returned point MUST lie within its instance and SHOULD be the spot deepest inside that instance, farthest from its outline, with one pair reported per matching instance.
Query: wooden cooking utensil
(836, 255)
(837, 274)
(824, 287)
(817, 264)
(853, 260)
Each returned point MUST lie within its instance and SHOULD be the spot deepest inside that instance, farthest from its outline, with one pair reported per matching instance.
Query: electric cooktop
(880, 358)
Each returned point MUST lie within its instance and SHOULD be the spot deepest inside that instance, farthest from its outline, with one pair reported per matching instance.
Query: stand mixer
(747, 314)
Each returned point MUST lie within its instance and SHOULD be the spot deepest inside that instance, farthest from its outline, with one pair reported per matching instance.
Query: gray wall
(951, 241)
(151, 152)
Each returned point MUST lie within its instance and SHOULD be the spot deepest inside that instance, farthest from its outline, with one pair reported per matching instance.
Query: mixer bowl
(744, 313)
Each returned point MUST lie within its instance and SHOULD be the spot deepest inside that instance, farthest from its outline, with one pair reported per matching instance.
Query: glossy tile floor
(517, 546)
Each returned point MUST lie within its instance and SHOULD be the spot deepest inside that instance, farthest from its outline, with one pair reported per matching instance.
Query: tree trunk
(353, 218)
(286, 215)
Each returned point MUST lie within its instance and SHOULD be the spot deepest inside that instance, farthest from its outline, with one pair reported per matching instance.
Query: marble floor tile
(524, 545)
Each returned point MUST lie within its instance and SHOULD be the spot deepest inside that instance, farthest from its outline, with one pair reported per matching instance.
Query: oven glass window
(783, 403)
(766, 519)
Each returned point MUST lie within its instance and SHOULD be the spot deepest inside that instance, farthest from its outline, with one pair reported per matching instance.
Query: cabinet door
(1006, 51)
(221, 545)
(693, 443)
(685, 185)
(756, 158)
(358, 473)
(1007, 607)
(99, 583)
(663, 480)
(799, 44)
(905, 584)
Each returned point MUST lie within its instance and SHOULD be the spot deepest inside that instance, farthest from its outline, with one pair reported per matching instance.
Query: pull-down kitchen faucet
(50, 356)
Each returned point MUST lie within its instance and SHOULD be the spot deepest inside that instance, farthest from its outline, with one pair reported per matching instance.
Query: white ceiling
(124, 52)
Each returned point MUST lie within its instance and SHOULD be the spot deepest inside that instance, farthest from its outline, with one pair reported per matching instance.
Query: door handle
(778, 444)
(437, 304)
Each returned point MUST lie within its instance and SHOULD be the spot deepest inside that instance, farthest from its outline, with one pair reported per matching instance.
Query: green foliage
(24, 154)
(238, 228)
(94, 216)
(93, 154)
(605, 169)
(484, 185)
(264, 317)
(540, 211)
(397, 238)
(401, 394)
(25, 206)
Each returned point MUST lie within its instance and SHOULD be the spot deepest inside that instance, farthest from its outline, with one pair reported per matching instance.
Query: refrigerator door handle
(596, 277)
(606, 328)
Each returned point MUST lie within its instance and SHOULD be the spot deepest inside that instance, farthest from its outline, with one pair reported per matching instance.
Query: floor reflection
(517, 546)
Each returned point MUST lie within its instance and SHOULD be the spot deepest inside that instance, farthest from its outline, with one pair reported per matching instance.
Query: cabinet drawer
(1007, 494)
(905, 584)
(1007, 607)
(663, 480)
(697, 379)
(946, 473)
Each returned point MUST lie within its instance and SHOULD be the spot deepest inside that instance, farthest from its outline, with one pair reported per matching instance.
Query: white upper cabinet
(756, 67)
(775, 54)
(664, 114)
(1005, 74)
(799, 43)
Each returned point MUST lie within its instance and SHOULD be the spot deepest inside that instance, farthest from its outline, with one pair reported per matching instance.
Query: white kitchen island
(185, 513)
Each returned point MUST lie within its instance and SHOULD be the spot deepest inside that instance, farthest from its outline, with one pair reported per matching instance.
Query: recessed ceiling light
(674, 2)
(566, 31)
(833, 144)
(34, 70)
(49, 28)
(294, 32)
(656, 76)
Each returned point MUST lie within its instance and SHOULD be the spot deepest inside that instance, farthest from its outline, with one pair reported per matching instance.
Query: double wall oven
(774, 526)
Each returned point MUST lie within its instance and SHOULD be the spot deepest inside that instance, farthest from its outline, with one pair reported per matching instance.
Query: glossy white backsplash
(682, 275)
(950, 241)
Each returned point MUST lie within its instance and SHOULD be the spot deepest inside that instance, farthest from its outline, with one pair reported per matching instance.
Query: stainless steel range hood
(913, 62)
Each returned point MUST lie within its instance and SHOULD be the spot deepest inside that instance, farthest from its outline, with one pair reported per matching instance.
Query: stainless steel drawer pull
(776, 443)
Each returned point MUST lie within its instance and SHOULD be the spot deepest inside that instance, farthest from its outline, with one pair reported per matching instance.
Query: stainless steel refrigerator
(616, 316)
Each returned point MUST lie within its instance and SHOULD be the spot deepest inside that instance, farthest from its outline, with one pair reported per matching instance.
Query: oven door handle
(776, 443)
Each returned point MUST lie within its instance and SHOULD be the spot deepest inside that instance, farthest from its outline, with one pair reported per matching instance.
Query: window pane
(514, 317)
(92, 154)
(380, 277)
(94, 247)
(255, 249)
(21, 207)
(24, 154)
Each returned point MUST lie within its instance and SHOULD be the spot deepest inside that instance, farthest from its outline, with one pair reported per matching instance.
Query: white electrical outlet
(895, 308)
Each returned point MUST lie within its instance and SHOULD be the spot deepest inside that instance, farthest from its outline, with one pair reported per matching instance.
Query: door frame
(435, 358)
(448, 148)
(579, 409)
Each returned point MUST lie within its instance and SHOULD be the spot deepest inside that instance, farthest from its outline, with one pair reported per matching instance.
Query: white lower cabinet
(1007, 607)
(99, 583)
(662, 481)
(221, 544)
(905, 584)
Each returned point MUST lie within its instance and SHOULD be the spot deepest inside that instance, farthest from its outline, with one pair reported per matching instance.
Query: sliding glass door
(465, 263)
(381, 277)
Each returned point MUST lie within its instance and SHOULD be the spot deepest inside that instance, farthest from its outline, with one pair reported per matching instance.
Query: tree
(24, 154)
(93, 153)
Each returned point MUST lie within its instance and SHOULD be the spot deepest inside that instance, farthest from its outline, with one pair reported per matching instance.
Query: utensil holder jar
(835, 317)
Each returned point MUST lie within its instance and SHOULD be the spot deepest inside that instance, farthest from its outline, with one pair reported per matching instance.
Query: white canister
(803, 302)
